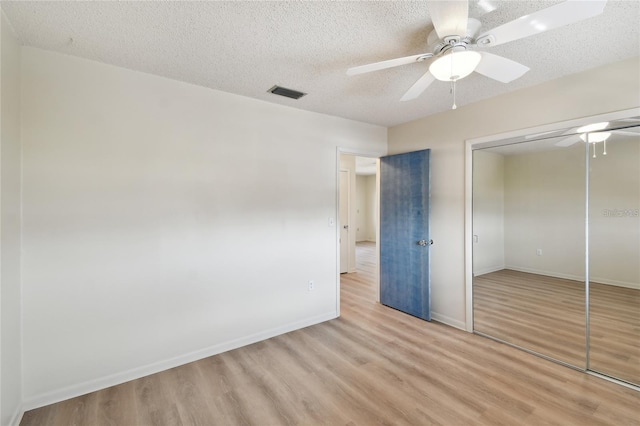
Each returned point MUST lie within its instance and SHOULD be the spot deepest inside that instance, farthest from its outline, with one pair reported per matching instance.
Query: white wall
(544, 209)
(164, 222)
(608, 88)
(488, 212)
(10, 342)
(366, 207)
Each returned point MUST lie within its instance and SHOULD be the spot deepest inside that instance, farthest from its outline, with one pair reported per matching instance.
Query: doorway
(358, 221)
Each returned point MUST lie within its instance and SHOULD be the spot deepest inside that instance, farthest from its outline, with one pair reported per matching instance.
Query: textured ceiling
(247, 47)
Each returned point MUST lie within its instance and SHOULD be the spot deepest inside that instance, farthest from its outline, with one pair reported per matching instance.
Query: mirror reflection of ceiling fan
(597, 132)
(453, 43)
(573, 134)
(593, 133)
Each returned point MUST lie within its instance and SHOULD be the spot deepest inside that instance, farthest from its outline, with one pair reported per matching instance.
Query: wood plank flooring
(540, 313)
(547, 315)
(372, 366)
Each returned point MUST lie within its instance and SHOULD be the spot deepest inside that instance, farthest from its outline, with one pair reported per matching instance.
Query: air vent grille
(288, 93)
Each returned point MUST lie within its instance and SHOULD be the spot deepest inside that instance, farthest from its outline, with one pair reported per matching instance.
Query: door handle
(424, 243)
(346, 227)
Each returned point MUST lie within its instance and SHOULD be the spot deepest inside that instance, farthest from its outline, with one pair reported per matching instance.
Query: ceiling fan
(453, 43)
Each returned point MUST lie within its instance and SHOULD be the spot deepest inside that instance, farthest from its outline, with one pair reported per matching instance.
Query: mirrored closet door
(614, 255)
(529, 247)
(556, 246)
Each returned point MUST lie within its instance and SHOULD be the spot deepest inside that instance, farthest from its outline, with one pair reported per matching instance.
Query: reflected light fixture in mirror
(594, 138)
(592, 127)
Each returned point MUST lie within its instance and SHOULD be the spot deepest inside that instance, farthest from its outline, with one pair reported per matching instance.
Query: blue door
(404, 233)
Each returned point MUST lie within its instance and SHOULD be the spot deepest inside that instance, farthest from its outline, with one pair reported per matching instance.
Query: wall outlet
(312, 285)
(539, 252)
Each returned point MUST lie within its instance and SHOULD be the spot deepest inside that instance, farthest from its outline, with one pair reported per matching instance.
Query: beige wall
(608, 88)
(10, 234)
(366, 208)
(164, 222)
(372, 208)
(614, 238)
(488, 212)
(544, 209)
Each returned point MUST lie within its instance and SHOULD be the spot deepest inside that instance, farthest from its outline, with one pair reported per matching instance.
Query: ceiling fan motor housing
(461, 42)
(452, 43)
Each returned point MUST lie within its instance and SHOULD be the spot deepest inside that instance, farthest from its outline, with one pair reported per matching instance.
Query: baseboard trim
(488, 270)
(616, 283)
(17, 416)
(574, 277)
(448, 321)
(146, 370)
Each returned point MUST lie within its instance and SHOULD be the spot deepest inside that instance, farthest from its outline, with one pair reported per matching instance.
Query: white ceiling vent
(288, 93)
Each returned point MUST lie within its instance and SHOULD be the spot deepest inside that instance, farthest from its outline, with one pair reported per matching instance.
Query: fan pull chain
(453, 90)
(604, 144)
(594, 150)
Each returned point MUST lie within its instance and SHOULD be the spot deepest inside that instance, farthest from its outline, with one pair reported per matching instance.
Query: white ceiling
(247, 47)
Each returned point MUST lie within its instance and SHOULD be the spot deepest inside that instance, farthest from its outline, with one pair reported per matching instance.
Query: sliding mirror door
(614, 254)
(529, 249)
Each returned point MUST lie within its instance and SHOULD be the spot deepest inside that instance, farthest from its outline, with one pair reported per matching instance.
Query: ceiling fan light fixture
(455, 65)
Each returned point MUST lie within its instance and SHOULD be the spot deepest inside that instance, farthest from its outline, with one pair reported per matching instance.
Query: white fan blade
(568, 141)
(547, 19)
(627, 132)
(449, 17)
(418, 87)
(500, 68)
(386, 64)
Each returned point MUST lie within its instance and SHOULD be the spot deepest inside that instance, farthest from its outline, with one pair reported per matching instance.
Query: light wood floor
(374, 365)
(547, 315)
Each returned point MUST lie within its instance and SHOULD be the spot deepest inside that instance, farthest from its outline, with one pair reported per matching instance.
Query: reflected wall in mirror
(614, 254)
(529, 247)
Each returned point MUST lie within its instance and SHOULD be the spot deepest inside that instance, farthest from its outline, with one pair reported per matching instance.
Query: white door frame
(358, 153)
(342, 243)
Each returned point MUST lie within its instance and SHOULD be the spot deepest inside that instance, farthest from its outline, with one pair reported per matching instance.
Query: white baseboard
(616, 283)
(448, 321)
(146, 370)
(17, 416)
(575, 277)
(488, 270)
(545, 273)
